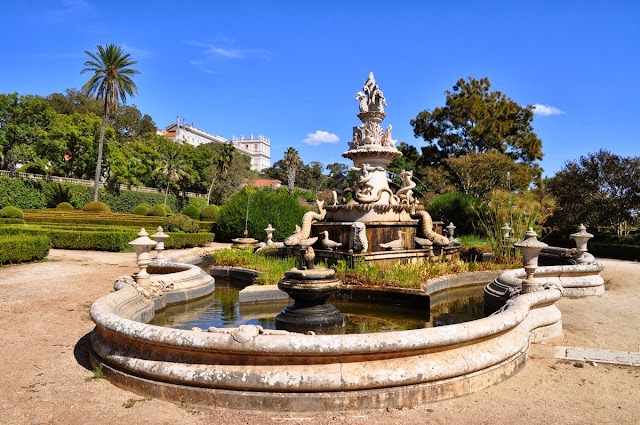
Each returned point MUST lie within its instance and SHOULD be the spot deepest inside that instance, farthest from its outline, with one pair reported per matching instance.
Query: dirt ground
(44, 328)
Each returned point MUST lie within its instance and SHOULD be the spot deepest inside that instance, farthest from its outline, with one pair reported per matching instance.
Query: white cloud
(319, 137)
(135, 52)
(211, 52)
(546, 110)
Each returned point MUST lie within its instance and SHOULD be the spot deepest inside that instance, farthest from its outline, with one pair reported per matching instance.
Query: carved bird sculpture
(394, 245)
(328, 243)
(423, 242)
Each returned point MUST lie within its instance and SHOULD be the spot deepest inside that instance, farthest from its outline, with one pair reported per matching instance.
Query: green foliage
(21, 194)
(271, 269)
(96, 206)
(210, 213)
(192, 211)
(187, 240)
(600, 189)
(141, 209)
(21, 248)
(64, 206)
(11, 212)
(519, 210)
(266, 206)
(180, 223)
(475, 119)
(157, 211)
(456, 208)
(79, 218)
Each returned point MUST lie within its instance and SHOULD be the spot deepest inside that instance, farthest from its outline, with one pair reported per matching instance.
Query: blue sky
(290, 70)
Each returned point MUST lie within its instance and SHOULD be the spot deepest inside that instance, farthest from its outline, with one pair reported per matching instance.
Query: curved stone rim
(287, 371)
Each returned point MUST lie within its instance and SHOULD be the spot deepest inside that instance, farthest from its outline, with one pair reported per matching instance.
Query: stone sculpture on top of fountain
(372, 204)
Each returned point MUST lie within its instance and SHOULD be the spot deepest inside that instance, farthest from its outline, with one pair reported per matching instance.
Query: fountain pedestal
(310, 289)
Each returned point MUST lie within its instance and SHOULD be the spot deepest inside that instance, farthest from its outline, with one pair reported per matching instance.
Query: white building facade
(258, 149)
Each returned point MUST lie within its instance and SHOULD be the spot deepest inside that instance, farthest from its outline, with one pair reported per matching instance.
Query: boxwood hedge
(22, 248)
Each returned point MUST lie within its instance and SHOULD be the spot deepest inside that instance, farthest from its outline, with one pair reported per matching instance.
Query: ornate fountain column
(581, 237)
(372, 148)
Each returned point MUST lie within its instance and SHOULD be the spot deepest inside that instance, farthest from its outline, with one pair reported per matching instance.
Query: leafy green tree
(24, 120)
(600, 189)
(475, 119)
(74, 101)
(292, 163)
(311, 176)
(130, 124)
(111, 81)
(477, 174)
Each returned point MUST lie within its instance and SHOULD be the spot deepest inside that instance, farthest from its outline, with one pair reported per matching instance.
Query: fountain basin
(578, 280)
(251, 368)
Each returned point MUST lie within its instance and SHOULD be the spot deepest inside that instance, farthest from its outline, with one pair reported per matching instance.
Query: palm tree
(111, 81)
(292, 162)
(223, 162)
(173, 169)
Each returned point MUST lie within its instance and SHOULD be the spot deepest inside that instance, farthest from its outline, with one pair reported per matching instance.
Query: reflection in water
(221, 309)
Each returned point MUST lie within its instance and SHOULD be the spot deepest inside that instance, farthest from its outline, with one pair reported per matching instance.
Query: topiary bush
(157, 211)
(64, 206)
(96, 206)
(180, 223)
(210, 213)
(11, 212)
(192, 211)
(266, 206)
(22, 248)
(141, 209)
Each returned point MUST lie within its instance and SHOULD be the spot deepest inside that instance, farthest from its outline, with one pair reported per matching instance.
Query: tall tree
(476, 119)
(112, 82)
(222, 164)
(600, 189)
(292, 162)
(173, 169)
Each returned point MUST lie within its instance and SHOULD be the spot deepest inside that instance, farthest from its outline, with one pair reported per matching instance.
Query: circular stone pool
(252, 368)
(222, 309)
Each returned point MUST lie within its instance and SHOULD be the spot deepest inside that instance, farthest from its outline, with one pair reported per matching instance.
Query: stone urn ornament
(143, 245)
(530, 248)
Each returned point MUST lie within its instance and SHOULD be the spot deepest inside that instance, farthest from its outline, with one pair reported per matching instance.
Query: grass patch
(97, 373)
(410, 276)
(132, 402)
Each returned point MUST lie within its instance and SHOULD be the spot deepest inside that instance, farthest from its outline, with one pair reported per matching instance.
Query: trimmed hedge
(23, 248)
(192, 212)
(11, 221)
(210, 213)
(157, 211)
(180, 223)
(11, 212)
(96, 206)
(64, 206)
(102, 240)
(38, 194)
(141, 209)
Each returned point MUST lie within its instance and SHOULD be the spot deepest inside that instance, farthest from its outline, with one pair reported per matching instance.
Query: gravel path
(44, 328)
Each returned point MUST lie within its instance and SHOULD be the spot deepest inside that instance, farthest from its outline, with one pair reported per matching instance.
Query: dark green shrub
(187, 240)
(22, 248)
(456, 208)
(96, 206)
(19, 221)
(210, 213)
(180, 223)
(157, 211)
(192, 211)
(141, 209)
(24, 194)
(64, 206)
(266, 206)
(11, 212)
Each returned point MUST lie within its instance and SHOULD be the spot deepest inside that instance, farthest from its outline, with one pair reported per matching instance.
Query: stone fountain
(370, 220)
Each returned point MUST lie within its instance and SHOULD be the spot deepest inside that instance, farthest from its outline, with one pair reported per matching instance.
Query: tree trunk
(210, 190)
(166, 192)
(96, 179)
